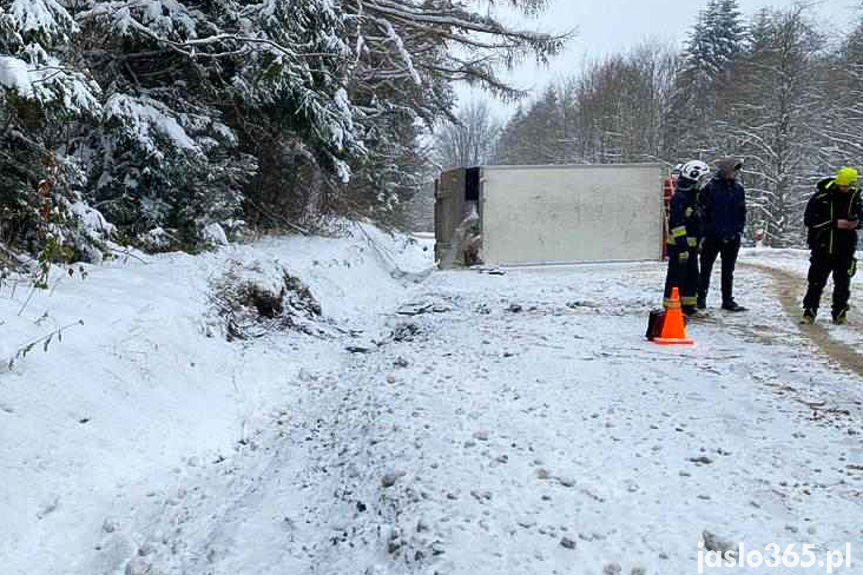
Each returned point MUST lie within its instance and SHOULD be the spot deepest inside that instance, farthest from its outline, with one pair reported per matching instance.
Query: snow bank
(91, 421)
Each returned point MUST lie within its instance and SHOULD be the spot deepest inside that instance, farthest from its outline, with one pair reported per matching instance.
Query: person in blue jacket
(683, 235)
(723, 213)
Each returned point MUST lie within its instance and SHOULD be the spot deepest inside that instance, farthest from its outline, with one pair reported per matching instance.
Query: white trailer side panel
(556, 214)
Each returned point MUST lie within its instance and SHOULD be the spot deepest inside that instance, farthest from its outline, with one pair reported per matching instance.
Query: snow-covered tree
(185, 87)
(716, 39)
(409, 54)
(775, 119)
(182, 113)
(842, 133)
(705, 82)
(42, 92)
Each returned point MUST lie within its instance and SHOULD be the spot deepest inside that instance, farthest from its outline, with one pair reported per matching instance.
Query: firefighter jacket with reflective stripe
(684, 220)
(825, 208)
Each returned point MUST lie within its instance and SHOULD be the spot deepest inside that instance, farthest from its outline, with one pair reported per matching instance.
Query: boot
(808, 316)
(732, 306)
(701, 303)
(841, 317)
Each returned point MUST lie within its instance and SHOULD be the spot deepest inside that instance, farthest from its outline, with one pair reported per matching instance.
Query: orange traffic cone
(673, 328)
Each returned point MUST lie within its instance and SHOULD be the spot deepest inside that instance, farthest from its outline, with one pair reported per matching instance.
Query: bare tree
(843, 132)
(470, 140)
(616, 110)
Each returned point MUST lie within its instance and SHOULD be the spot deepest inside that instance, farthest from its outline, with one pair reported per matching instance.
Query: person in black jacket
(832, 216)
(684, 232)
(723, 216)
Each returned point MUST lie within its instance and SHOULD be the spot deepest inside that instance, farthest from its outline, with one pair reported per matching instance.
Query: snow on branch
(143, 119)
(46, 18)
(49, 84)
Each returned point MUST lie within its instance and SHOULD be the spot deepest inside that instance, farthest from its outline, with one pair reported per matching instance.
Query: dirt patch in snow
(788, 288)
(251, 300)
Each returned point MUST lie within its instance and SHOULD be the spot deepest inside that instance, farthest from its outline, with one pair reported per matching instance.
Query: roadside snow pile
(109, 420)
(261, 297)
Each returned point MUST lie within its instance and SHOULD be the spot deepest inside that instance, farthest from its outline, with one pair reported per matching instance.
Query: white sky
(614, 26)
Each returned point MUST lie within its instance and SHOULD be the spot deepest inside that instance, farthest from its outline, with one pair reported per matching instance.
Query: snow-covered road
(520, 424)
(526, 428)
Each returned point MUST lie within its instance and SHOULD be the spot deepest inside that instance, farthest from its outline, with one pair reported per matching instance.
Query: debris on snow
(412, 309)
(110, 525)
(702, 460)
(48, 509)
(139, 566)
(567, 481)
(567, 543)
(146, 549)
(481, 435)
(405, 332)
(390, 479)
(255, 299)
(713, 542)
(305, 376)
(357, 349)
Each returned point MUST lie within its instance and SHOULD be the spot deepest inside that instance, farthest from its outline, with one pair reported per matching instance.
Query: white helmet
(695, 170)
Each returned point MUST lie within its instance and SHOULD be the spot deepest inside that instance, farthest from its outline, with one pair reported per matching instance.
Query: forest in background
(778, 90)
(167, 124)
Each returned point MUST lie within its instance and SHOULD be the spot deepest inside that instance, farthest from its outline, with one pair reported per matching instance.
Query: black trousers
(683, 276)
(821, 265)
(728, 250)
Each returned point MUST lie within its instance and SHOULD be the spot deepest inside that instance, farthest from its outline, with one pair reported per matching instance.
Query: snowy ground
(471, 423)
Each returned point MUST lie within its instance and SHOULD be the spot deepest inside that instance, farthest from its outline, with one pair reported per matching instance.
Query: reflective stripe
(678, 231)
(669, 303)
(693, 242)
(822, 224)
(688, 300)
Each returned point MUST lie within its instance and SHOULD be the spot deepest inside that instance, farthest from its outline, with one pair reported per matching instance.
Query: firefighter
(684, 234)
(832, 217)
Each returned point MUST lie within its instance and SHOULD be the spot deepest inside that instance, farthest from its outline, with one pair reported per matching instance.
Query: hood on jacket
(824, 184)
(726, 168)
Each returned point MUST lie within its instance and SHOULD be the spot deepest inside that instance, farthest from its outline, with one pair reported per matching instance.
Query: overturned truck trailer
(527, 215)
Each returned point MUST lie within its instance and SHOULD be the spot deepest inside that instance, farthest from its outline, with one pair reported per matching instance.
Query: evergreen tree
(705, 82)
(171, 115)
(42, 93)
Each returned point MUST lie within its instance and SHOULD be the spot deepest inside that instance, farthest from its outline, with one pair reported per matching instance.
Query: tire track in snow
(788, 288)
